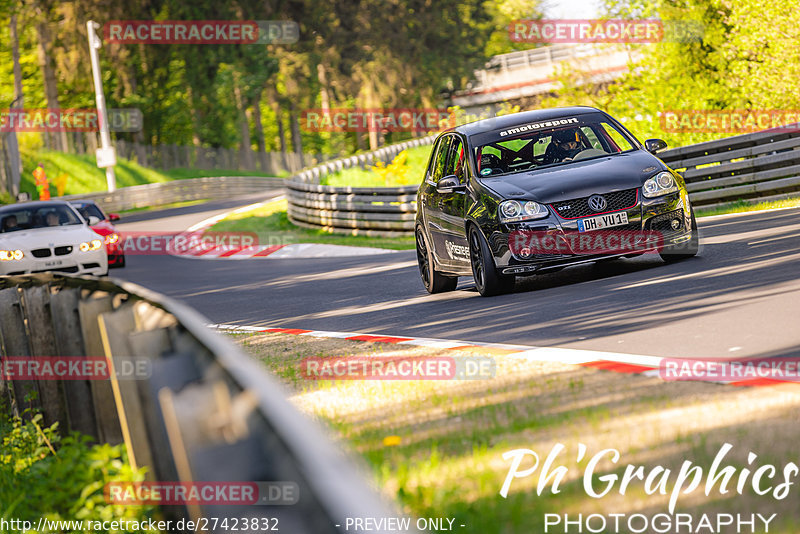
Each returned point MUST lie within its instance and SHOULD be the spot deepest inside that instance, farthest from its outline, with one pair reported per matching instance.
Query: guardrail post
(89, 310)
(36, 307)
(23, 394)
(68, 333)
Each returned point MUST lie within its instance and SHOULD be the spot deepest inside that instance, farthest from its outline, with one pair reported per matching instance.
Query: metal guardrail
(207, 412)
(384, 154)
(382, 211)
(373, 211)
(756, 167)
(207, 188)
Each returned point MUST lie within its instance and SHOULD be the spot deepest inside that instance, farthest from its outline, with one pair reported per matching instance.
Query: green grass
(83, 174)
(356, 177)
(437, 447)
(272, 225)
(741, 206)
(85, 177)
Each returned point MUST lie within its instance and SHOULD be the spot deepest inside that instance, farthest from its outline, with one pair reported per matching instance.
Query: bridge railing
(202, 410)
(543, 55)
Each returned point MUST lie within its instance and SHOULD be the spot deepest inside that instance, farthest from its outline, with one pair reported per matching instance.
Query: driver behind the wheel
(564, 146)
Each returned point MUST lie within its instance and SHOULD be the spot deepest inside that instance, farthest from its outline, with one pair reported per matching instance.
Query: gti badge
(597, 203)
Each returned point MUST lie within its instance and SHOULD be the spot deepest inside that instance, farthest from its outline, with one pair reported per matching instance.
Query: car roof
(82, 202)
(515, 119)
(33, 204)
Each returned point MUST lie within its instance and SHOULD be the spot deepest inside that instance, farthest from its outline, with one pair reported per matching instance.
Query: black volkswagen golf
(540, 190)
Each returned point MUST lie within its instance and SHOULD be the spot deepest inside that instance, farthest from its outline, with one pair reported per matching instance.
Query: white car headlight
(111, 239)
(525, 210)
(89, 246)
(660, 184)
(11, 255)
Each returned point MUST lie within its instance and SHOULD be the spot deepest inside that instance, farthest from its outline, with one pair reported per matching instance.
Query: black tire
(685, 250)
(487, 279)
(433, 280)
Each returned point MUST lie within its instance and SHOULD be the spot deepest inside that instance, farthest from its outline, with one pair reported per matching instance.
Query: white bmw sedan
(49, 236)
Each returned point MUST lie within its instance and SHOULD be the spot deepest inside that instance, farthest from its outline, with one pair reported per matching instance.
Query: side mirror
(450, 184)
(93, 220)
(654, 146)
(113, 217)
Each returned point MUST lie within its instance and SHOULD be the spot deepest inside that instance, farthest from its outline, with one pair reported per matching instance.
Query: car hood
(579, 179)
(46, 237)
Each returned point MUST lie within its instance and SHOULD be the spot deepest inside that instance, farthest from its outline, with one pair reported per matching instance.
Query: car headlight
(111, 239)
(89, 246)
(660, 184)
(526, 210)
(11, 255)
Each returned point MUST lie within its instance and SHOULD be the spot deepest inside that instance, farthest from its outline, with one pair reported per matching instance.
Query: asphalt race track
(739, 298)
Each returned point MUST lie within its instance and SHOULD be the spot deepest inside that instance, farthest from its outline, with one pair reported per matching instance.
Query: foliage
(739, 63)
(409, 173)
(363, 53)
(43, 474)
(395, 172)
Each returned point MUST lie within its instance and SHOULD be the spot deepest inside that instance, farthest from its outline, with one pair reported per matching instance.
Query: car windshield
(89, 210)
(530, 146)
(42, 216)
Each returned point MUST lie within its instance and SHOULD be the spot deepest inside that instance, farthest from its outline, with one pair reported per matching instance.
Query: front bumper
(76, 262)
(657, 223)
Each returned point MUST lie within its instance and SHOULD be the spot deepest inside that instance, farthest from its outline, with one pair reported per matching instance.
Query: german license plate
(54, 263)
(602, 221)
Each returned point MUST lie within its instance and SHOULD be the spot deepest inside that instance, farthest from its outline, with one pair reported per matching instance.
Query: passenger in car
(51, 219)
(10, 223)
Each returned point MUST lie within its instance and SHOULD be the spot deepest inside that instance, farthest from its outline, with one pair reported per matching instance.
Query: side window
(592, 137)
(440, 159)
(541, 146)
(619, 143)
(457, 162)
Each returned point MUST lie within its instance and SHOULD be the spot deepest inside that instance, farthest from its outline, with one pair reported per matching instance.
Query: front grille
(579, 207)
(63, 251)
(41, 253)
(73, 269)
(91, 265)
